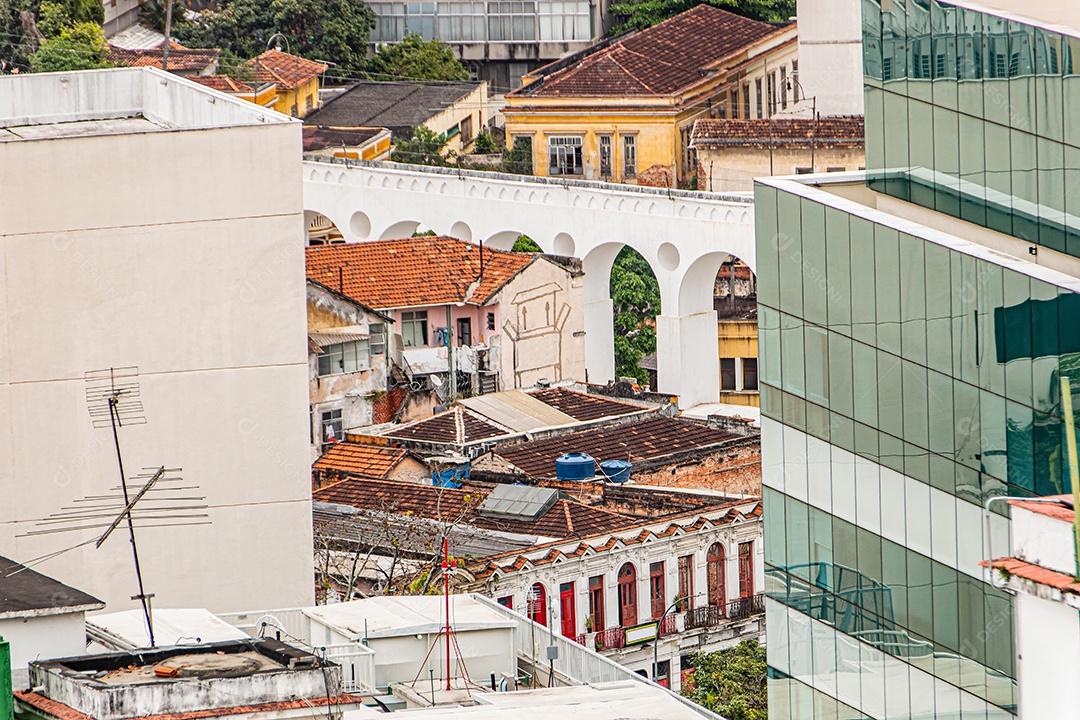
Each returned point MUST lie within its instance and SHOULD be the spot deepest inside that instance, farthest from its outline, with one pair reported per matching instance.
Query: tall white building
(830, 57)
(147, 221)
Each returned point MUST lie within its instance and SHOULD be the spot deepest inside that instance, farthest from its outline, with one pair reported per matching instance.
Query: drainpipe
(7, 702)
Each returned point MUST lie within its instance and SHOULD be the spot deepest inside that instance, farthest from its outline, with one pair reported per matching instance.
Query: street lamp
(288, 49)
(656, 642)
(813, 114)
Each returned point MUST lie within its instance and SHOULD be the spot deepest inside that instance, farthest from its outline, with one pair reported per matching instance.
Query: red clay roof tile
(573, 519)
(224, 83)
(287, 71)
(651, 439)
(1035, 573)
(413, 272)
(370, 461)
(661, 60)
(181, 59)
(582, 406)
(846, 131)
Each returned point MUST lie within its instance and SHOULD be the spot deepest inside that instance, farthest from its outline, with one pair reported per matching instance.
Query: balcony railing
(667, 627)
(711, 615)
(579, 639)
(614, 637)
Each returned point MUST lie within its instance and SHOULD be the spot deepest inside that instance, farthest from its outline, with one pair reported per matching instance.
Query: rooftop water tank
(575, 466)
(615, 470)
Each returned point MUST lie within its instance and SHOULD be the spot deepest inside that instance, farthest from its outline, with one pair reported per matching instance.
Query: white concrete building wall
(1042, 540)
(42, 637)
(186, 260)
(1048, 658)
(830, 55)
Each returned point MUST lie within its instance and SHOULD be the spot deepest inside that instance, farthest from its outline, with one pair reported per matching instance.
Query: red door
(537, 602)
(627, 596)
(746, 569)
(715, 575)
(566, 610)
(596, 602)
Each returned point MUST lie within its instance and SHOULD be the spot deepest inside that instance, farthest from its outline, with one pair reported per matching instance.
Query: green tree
(640, 14)
(78, 47)
(414, 57)
(485, 144)
(25, 23)
(335, 30)
(636, 298)
(731, 682)
(525, 244)
(424, 148)
(519, 159)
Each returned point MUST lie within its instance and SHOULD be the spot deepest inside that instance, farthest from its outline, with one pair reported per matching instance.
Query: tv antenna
(148, 499)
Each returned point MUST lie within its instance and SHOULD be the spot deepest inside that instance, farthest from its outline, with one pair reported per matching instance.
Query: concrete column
(686, 360)
(599, 340)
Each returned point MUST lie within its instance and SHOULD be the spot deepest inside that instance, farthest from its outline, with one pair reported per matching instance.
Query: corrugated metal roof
(517, 410)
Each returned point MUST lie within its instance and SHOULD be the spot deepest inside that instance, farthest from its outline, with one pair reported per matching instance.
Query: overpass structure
(685, 236)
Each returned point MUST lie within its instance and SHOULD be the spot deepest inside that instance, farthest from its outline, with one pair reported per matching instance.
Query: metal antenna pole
(446, 595)
(142, 596)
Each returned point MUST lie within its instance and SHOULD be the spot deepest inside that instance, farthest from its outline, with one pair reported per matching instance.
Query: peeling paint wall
(353, 393)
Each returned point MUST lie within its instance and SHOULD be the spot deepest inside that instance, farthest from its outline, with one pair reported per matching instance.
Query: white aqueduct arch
(684, 236)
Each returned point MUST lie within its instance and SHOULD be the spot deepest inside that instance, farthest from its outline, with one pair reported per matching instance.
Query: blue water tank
(615, 470)
(575, 466)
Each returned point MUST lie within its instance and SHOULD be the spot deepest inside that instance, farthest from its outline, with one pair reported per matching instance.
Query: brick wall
(384, 407)
(662, 176)
(736, 471)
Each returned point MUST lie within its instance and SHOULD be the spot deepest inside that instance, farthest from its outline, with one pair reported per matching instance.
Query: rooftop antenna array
(155, 497)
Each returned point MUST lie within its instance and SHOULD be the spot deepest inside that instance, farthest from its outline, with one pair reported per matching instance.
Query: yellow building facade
(625, 111)
(737, 346)
(295, 79)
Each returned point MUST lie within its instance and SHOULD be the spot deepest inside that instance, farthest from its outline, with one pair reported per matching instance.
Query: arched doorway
(715, 575)
(627, 595)
(536, 604)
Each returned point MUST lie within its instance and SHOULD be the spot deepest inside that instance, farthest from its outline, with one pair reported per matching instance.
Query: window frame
(562, 148)
(629, 158)
(410, 321)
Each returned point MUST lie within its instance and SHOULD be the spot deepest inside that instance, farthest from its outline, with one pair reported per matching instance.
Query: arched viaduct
(685, 236)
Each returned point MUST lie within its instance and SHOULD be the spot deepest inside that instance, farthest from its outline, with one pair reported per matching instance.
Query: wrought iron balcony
(738, 609)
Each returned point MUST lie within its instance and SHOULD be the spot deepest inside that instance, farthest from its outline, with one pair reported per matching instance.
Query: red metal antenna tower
(447, 631)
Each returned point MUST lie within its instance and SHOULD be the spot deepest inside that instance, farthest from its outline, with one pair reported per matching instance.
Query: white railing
(289, 624)
(357, 663)
(576, 664)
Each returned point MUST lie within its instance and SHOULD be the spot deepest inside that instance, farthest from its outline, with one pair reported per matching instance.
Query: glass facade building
(910, 367)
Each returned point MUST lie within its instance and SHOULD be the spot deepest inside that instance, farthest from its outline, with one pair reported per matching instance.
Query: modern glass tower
(915, 321)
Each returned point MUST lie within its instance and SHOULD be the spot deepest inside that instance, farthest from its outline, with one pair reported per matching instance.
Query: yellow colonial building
(624, 110)
(295, 79)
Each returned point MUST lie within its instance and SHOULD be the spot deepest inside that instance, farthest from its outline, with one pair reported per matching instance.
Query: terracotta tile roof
(1035, 573)
(456, 426)
(582, 406)
(648, 440)
(287, 71)
(514, 561)
(181, 59)
(567, 518)
(428, 270)
(662, 60)
(1062, 509)
(838, 131)
(52, 708)
(224, 83)
(371, 461)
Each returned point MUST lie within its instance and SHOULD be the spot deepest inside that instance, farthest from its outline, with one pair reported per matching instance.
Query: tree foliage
(485, 144)
(731, 682)
(25, 24)
(77, 47)
(640, 14)
(426, 147)
(519, 159)
(335, 30)
(414, 57)
(636, 298)
(525, 244)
